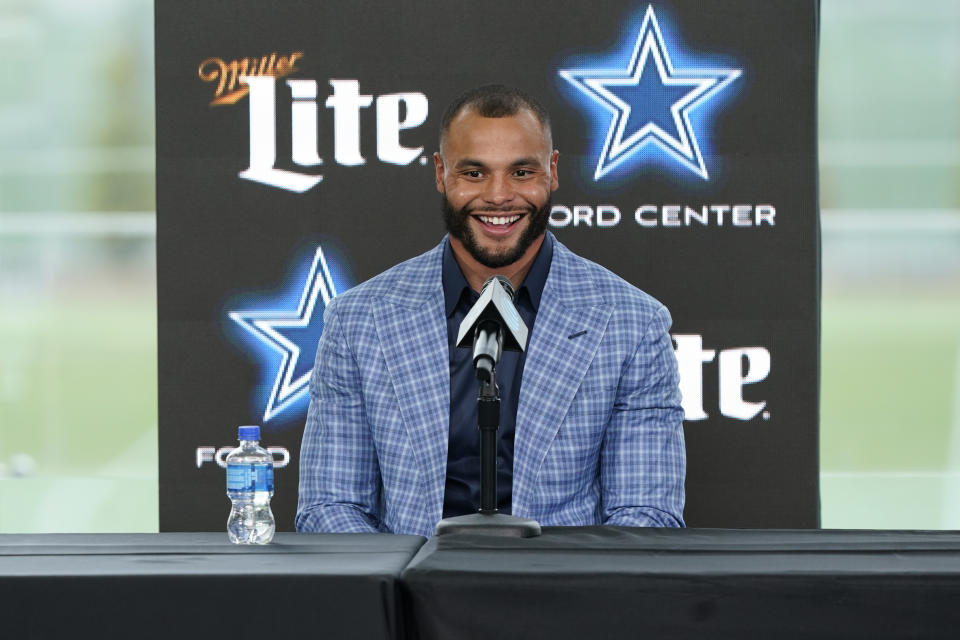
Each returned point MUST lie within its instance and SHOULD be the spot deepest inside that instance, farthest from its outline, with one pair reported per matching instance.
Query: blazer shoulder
(612, 288)
(411, 279)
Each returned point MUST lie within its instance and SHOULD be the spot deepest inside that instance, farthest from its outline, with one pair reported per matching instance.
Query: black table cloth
(598, 582)
(192, 585)
(592, 582)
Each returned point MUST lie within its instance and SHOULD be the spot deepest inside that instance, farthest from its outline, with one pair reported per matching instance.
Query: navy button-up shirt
(462, 494)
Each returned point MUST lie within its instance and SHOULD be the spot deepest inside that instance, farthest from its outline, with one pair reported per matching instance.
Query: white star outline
(705, 84)
(264, 324)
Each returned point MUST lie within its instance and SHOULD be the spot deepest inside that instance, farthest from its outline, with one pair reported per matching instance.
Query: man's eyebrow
(520, 162)
(468, 162)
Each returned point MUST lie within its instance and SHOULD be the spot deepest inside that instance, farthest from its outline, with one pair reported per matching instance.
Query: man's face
(495, 176)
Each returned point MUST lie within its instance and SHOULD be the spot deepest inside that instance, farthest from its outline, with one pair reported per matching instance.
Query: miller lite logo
(258, 78)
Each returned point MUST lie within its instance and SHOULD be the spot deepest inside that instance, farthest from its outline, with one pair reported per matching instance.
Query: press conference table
(591, 582)
(600, 582)
(198, 585)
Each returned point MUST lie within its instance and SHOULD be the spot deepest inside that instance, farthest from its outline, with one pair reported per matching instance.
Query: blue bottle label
(263, 477)
(246, 477)
(238, 477)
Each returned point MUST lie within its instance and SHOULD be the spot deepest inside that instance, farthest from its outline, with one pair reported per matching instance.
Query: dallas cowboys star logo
(650, 102)
(293, 334)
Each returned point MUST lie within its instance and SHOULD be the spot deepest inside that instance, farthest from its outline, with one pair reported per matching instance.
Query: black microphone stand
(488, 419)
(488, 520)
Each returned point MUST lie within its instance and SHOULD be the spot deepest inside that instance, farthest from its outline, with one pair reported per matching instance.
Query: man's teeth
(499, 220)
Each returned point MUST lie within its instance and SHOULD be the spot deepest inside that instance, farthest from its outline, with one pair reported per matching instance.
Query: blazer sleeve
(643, 458)
(339, 473)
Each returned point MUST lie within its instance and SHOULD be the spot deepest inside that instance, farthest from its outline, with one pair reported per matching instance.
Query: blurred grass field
(78, 396)
(890, 425)
(890, 447)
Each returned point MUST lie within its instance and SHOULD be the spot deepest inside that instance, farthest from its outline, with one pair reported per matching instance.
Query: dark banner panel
(294, 145)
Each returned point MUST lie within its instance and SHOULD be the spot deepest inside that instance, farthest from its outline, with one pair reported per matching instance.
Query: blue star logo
(649, 103)
(292, 334)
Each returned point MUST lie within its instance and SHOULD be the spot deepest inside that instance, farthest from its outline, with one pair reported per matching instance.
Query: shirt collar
(454, 281)
(537, 276)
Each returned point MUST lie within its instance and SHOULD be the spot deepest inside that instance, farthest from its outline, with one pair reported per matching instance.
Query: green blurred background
(78, 405)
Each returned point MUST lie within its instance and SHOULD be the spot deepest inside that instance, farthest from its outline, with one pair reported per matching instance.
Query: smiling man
(495, 173)
(590, 425)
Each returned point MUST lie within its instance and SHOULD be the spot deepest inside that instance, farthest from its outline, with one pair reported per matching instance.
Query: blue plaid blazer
(599, 436)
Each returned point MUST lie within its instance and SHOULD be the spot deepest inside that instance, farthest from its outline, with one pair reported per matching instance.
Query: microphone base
(492, 524)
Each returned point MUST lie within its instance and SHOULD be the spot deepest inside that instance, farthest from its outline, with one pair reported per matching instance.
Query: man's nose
(499, 190)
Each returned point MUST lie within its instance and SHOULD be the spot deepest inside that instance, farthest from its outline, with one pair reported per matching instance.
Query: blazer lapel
(412, 332)
(570, 324)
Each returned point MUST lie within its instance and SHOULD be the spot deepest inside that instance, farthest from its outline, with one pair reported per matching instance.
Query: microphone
(492, 325)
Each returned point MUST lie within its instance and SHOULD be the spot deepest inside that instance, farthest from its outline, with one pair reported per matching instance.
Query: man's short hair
(494, 101)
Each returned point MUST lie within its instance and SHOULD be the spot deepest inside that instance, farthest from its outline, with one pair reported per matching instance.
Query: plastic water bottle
(250, 487)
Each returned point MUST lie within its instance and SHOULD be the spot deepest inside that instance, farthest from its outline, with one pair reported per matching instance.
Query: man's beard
(458, 226)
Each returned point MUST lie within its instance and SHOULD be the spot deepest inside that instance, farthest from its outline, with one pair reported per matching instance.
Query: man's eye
(522, 173)
(473, 174)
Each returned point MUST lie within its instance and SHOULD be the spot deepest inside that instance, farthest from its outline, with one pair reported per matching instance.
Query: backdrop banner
(294, 145)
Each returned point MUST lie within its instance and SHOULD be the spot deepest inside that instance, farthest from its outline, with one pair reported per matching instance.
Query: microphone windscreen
(504, 282)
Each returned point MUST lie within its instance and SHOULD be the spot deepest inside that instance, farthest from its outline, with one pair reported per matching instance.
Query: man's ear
(554, 181)
(438, 167)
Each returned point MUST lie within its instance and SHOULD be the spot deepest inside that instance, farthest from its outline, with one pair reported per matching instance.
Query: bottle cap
(248, 433)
